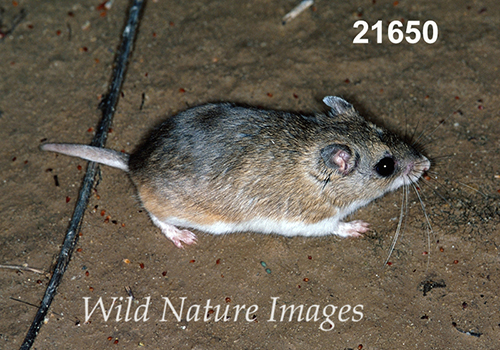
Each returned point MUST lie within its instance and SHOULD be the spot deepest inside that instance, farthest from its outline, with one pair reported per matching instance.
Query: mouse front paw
(353, 228)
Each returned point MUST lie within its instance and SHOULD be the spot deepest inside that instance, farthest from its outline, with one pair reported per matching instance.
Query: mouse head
(361, 161)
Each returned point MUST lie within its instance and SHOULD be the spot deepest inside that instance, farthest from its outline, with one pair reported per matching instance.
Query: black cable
(107, 107)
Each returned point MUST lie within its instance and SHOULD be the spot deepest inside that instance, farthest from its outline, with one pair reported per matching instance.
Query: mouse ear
(338, 157)
(338, 105)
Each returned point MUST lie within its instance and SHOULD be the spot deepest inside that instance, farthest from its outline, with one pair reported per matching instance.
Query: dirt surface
(440, 290)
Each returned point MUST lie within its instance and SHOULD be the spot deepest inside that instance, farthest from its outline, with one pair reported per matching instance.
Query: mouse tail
(94, 154)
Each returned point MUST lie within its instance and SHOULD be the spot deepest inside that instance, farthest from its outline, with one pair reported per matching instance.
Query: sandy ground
(57, 63)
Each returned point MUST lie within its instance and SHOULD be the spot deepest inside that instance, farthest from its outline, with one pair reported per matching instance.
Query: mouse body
(221, 168)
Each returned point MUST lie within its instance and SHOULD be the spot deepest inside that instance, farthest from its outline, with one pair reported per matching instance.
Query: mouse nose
(426, 164)
(417, 167)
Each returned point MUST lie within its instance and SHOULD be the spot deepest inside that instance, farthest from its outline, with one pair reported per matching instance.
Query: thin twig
(25, 268)
(297, 10)
(17, 20)
(107, 106)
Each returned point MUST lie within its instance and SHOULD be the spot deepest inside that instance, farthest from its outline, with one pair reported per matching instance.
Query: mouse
(222, 168)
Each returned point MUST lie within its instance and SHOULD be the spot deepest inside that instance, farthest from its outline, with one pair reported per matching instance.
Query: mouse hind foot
(353, 228)
(177, 236)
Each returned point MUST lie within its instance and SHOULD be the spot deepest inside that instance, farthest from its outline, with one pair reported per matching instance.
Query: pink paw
(173, 233)
(353, 228)
(183, 236)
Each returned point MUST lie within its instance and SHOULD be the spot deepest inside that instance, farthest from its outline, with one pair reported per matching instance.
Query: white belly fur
(265, 225)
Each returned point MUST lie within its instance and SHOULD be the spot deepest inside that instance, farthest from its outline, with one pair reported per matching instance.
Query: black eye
(385, 167)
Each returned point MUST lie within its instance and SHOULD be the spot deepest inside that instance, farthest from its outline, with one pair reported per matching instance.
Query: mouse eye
(385, 167)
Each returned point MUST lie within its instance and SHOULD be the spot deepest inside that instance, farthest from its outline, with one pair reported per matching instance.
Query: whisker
(462, 206)
(424, 130)
(412, 137)
(423, 208)
(405, 215)
(440, 123)
(472, 188)
(430, 230)
(443, 156)
(436, 192)
(398, 229)
(456, 193)
(406, 207)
